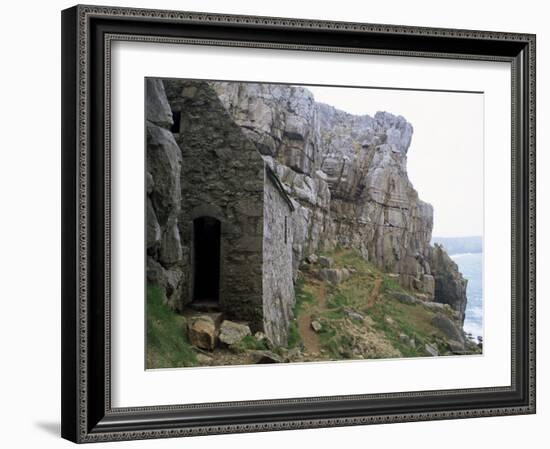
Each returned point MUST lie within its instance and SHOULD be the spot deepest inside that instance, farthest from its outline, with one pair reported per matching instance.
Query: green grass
(412, 320)
(329, 340)
(294, 338)
(354, 294)
(390, 284)
(249, 342)
(167, 344)
(351, 258)
(302, 296)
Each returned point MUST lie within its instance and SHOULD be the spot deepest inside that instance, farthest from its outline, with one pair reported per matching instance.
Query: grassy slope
(377, 335)
(374, 333)
(167, 345)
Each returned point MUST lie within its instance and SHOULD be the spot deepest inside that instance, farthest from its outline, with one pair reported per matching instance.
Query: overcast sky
(445, 159)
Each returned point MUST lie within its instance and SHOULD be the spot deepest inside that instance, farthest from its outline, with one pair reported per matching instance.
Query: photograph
(292, 223)
(285, 222)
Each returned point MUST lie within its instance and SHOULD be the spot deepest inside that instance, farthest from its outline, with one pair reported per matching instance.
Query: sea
(471, 267)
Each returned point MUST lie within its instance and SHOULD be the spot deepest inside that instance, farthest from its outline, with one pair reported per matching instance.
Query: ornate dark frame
(87, 32)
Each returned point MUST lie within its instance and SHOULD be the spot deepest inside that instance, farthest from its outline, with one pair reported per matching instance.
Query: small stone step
(204, 306)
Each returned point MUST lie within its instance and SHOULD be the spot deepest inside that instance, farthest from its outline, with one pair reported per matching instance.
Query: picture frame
(87, 411)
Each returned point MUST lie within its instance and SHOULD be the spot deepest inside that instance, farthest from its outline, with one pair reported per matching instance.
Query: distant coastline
(460, 245)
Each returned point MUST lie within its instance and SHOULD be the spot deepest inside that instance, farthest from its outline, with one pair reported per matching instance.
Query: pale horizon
(445, 158)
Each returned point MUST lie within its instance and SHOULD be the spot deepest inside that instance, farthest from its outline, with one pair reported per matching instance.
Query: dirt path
(375, 292)
(309, 336)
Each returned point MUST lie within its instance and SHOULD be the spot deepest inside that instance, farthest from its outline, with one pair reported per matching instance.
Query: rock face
(282, 121)
(231, 332)
(448, 327)
(450, 285)
(348, 177)
(164, 249)
(211, 149)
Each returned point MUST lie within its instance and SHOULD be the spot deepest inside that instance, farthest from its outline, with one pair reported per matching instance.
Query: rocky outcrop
(282, 121)
(348, 177)
(450, 285)
(164, 250)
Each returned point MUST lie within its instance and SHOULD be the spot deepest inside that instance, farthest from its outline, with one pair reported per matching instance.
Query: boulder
(312, 258)
(325, 262)
(354, 315)
(260, 336)
(431, 349)
(455, 346)
(334, 275)
(448, 327)
(404, 298)
(232, 333)
(316, 326)
(404, 338)
(201, 332)
(436, 306)
(203, 359)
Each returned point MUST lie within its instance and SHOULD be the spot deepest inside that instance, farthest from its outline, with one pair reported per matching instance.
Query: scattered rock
(312, 258)
(404, 298)
(334, 275)
(316, 326)
(260, 336)
(389, 320)
(261, 357)
(290, 355)
(368, 321)
(431, 349)
(231, 332)
(455, 346)
(204, 359)
(354, 315)
(201, 332)
(325, 262)
(434, 305)
(403, 338)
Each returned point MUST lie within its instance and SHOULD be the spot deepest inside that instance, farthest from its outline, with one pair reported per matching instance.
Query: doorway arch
(206, 259)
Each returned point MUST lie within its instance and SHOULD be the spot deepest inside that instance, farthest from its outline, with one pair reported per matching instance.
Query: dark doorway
(206, 243)
(176, 118)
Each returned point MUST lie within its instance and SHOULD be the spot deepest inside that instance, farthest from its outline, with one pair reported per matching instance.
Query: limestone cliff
(348, 177)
